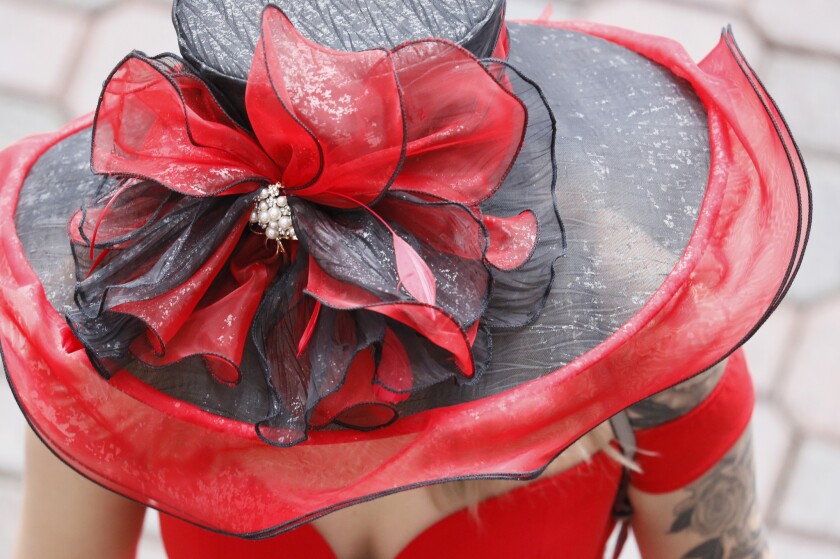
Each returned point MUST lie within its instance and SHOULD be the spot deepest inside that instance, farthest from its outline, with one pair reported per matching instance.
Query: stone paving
(57, 52)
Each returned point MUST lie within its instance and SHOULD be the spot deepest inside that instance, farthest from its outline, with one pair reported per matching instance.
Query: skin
(714, 517)
(83, 520)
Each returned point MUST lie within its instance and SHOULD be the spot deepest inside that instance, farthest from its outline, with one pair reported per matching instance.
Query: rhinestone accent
(272, 213)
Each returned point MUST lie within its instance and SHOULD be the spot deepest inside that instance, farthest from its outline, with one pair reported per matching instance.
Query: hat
(330, 254)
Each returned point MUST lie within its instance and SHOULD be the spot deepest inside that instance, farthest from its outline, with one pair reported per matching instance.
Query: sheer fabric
(564, 515)
(662, 278)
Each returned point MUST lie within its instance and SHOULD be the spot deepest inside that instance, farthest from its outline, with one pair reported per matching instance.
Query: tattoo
(676, 401)
(721, 508)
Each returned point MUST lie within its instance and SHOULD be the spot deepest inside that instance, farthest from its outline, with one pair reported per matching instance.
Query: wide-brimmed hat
(330, 254)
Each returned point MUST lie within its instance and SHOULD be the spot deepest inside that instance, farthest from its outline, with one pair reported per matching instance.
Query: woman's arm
(66, 516)
(714, 517)
(699, 501)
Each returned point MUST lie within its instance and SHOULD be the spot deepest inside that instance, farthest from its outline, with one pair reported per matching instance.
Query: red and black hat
(328, 255)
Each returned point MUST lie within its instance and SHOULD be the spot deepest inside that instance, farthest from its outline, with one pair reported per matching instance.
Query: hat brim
(741, 257)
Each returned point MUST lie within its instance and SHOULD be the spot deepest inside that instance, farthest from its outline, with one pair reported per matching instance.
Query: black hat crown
(219, 36)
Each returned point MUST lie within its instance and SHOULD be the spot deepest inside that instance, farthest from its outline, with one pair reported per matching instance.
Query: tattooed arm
(715, 516)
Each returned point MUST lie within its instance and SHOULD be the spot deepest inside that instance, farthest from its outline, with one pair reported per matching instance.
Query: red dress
(564, 515)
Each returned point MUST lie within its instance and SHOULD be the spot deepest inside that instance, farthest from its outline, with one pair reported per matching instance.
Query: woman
(307, 278)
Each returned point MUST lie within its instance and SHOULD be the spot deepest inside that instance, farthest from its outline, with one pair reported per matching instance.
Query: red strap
(676, 453)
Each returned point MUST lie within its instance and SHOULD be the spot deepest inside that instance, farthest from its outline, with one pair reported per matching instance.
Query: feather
(415, 275)
(310, 328)
(99, 221)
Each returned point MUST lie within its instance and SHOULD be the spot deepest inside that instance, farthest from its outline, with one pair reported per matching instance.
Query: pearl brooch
(273, 214)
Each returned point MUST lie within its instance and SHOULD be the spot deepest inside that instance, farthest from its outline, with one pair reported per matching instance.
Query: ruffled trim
(406, 251)
(217, 473)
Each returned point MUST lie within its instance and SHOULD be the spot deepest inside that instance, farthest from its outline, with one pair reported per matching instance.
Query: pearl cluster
(273, 214)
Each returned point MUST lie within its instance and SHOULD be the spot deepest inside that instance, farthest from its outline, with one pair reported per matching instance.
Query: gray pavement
(57, 52)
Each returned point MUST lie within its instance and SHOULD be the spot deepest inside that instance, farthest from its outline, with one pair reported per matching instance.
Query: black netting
(630, 160)
(219, 36)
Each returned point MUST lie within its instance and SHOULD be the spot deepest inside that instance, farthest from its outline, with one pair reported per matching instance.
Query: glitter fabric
(605, 232)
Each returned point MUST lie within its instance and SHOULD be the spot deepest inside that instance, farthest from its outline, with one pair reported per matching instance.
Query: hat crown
(219, 36)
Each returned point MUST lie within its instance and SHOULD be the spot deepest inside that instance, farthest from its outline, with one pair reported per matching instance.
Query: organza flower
(386, 158)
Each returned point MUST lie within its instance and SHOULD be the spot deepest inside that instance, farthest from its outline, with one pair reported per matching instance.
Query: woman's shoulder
(683, 431)
(678, 400)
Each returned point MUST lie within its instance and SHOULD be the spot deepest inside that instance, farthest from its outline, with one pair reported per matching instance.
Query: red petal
(357, 402)
(356, 388)
(331, 119)
(158, 122)
(334, 293)
(512, 239)
(384, 395)
(431, 322)
(444, 227)
(281, 134)
(223, 370)
(436, 326)
(463, 128)
(166, 314)
(219, 327)
(394, 371)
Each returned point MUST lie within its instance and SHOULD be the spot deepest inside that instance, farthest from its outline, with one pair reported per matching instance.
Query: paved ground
(57, 52)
